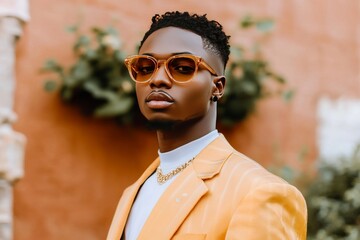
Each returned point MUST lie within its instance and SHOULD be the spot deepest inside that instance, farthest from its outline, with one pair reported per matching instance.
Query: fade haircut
(212, 34)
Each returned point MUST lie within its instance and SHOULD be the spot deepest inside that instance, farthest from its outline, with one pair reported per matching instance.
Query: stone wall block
(12, 145)
(5, 210)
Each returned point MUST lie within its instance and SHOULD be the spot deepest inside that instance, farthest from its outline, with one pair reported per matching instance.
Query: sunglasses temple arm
(210, 69)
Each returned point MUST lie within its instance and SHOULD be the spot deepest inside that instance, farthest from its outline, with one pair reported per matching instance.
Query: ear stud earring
(214, 98)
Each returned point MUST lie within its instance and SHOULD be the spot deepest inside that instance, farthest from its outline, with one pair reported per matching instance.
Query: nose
(160, 79)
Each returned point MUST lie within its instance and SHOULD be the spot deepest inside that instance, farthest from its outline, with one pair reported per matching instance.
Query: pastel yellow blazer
(221, 195)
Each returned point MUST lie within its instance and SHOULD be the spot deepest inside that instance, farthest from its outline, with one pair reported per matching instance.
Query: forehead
(170, 40)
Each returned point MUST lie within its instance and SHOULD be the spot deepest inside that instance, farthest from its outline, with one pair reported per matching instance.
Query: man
(199, 187)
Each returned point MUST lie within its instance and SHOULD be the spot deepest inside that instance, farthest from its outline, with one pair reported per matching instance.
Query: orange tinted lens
(142, 68)
(182, 68)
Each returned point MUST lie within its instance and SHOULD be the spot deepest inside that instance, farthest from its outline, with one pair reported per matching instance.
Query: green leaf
(81, 70)
(111, 30)
(50, 85)
(90, 54)
(98, 92)
(115, 108)
(81, 42)
(247, 21)
(98, 31)
(265, 25)
(84, 40)
(72, 28)
(120, 56)
(69, 81)
(52, 65)
(304, 151)
(237, 52)
(248, 87)
(279, 79)
(66, 94)
(287, 173)
(288, 95)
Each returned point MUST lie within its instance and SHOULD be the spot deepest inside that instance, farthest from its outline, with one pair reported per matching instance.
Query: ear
(219, 86)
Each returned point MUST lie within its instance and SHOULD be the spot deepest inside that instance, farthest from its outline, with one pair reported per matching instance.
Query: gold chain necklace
(162, 178)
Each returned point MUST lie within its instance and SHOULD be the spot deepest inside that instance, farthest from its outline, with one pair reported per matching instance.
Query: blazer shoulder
(246, 176)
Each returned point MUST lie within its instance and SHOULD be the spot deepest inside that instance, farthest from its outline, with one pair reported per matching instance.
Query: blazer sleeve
(272, 211)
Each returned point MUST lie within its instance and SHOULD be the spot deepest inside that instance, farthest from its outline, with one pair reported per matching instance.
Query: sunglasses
(180, 68)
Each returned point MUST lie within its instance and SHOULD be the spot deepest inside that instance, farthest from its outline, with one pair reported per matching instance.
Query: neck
(185, 132)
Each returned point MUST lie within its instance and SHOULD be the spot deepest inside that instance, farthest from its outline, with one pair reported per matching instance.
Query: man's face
(163, 100)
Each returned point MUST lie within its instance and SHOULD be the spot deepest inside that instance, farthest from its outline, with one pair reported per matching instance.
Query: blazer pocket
(189, 236)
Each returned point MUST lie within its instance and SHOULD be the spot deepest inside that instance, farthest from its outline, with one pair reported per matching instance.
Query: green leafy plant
(333, 201)
(98, 82)
(246, 77)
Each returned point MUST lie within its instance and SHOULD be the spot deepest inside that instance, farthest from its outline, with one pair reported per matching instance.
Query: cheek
(201, 91)
(200, 97)
(197, 98)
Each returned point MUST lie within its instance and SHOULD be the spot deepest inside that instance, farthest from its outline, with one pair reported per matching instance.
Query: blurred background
(76, 166)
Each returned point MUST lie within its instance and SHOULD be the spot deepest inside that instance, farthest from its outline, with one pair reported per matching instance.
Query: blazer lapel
(184, 193)
(209, 161)
(179, 199)
(124, 206)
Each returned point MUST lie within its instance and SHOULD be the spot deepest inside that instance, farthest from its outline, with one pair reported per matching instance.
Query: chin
(171, 124)
(164, 125)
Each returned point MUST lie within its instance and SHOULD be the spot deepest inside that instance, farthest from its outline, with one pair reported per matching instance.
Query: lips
(159, 100)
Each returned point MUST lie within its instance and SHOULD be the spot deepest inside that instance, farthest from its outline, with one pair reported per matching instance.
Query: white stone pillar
(10, 30)
(13, 14)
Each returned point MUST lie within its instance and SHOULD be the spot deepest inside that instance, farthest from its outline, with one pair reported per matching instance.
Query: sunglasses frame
(198, 61)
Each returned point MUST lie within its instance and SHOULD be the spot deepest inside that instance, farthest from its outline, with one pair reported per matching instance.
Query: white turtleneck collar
(174, 158)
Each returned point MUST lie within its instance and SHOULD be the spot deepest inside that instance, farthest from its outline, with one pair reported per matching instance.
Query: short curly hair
(211, 32)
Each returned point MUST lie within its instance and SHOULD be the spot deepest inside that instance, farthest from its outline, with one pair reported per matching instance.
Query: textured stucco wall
(76, 168)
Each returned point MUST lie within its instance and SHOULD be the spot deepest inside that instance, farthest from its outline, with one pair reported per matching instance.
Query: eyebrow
(171, 54)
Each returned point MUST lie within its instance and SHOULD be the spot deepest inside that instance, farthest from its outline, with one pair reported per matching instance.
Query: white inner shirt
(151, 190)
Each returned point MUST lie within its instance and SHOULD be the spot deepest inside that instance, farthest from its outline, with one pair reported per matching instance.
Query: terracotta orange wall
(76, 167)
